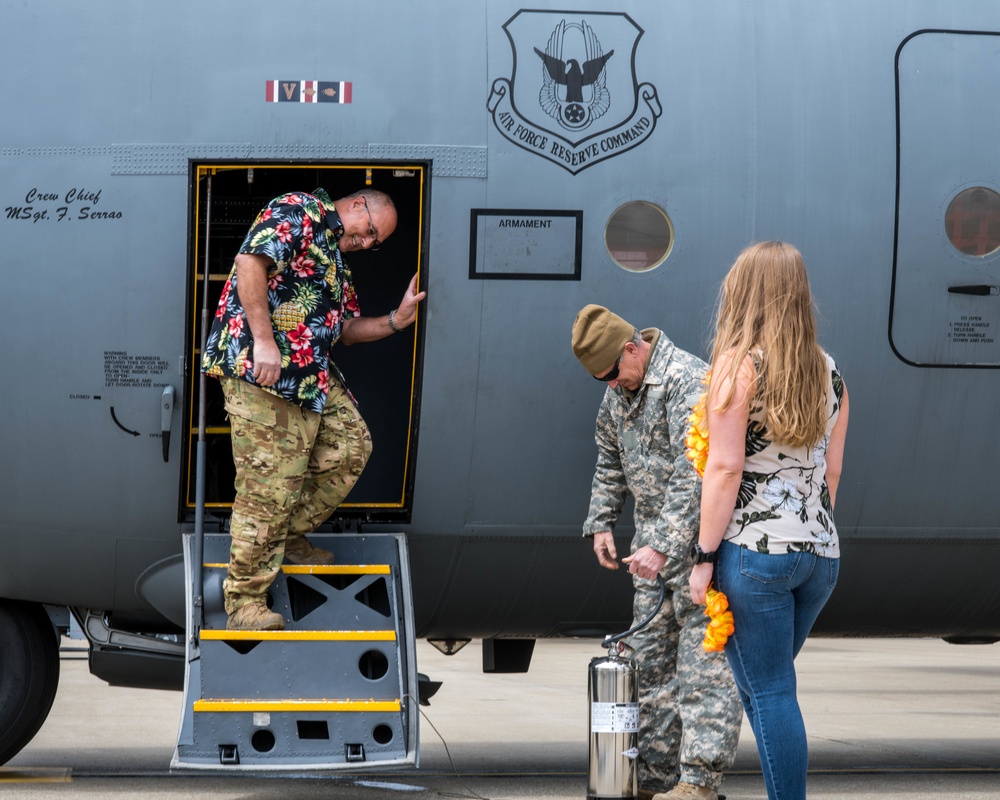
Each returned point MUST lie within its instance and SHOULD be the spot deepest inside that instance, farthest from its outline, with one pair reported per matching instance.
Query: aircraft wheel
(29, 673)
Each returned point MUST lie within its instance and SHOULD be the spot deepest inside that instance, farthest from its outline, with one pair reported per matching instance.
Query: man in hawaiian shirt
(299, 443)
(690, 713)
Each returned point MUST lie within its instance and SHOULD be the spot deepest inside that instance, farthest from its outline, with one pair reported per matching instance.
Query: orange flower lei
(720, 625)
(697, 435)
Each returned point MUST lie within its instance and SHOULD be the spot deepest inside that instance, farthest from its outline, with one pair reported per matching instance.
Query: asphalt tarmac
(887, 719)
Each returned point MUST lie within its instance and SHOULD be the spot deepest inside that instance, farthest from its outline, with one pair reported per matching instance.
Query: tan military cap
(599, 337)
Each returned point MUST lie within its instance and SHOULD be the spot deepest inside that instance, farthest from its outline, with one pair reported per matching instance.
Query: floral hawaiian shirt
(310, 294)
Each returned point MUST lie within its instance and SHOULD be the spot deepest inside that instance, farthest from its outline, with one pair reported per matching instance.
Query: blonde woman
(777, 420)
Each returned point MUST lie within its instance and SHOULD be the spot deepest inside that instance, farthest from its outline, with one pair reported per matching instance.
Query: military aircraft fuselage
(540, 159)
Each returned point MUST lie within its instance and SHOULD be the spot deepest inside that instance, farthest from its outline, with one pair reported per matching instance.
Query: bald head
(369, 218)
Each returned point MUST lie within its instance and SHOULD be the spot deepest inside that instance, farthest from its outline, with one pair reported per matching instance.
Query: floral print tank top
(783, 504)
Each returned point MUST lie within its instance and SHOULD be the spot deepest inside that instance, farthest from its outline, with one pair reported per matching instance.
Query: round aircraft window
(639, 236)
(972, 221)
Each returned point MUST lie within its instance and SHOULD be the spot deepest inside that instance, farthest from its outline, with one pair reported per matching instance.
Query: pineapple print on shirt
(310, 294)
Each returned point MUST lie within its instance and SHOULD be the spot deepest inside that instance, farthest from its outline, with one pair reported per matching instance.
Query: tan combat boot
(300, 551)
(689, 791)
(255, 617)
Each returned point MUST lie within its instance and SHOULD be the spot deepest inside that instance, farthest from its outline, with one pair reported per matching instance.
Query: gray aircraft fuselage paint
(846, 128)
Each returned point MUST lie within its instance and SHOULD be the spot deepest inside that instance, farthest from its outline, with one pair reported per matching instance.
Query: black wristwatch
(701, 557)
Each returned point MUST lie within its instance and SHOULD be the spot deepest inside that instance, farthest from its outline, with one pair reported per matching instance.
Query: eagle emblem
(574, 94)
(578, 101)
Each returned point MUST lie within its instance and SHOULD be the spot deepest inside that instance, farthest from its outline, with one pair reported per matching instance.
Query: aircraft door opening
(946, 272)
(383, 376)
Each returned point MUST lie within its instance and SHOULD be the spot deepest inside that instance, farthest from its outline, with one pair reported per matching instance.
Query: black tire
(29, 673)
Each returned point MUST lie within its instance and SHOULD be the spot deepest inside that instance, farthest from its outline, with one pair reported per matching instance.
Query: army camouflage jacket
(641, 449)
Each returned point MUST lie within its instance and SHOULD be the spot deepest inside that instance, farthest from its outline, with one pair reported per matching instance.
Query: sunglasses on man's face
(612, 374)
(372, 230)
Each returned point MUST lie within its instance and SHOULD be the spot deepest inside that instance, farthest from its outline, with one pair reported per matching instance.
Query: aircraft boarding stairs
(337, 689)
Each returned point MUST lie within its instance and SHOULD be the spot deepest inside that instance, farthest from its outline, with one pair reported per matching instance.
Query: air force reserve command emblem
(572, 96)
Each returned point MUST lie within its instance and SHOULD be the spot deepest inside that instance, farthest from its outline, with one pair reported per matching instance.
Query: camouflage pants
(690, 712)
(293, 468)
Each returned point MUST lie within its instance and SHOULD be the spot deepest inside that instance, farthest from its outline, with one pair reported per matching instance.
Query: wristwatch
(701, 557)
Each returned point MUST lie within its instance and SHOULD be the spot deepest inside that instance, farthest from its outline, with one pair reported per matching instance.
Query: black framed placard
(525, 244)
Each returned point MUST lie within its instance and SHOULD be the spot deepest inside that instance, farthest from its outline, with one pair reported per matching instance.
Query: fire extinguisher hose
(609, 640)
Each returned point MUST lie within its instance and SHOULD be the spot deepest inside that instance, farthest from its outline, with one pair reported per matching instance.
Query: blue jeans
(775, 600)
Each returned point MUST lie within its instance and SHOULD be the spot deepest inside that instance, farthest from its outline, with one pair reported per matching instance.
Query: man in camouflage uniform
(690, 712)
(299, 443)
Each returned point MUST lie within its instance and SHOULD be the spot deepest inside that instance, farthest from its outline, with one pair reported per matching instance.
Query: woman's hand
(701, 578)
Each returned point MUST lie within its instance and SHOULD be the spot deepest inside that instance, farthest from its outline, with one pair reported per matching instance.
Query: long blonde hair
(766, 308)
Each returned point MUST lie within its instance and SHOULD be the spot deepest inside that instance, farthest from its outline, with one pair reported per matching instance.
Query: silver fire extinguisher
(613, 694)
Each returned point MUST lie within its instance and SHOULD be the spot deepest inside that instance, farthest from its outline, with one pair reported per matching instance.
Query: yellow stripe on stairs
(324, 569)
(299, 636)
(209, 706)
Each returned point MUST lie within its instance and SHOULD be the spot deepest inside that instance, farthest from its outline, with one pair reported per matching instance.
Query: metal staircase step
(336, 689)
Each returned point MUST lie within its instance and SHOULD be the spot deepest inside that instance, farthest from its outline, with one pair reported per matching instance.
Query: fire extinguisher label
(614, 717)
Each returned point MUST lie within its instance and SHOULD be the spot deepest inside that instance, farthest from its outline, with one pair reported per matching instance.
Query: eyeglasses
(376, 244)
(612, 374)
